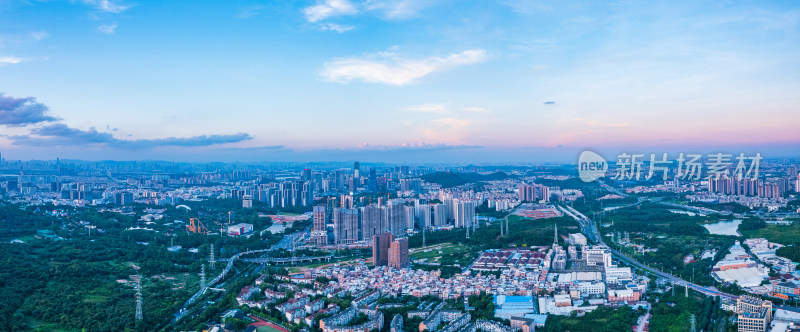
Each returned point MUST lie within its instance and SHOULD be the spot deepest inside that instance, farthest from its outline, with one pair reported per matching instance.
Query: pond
(727, 227)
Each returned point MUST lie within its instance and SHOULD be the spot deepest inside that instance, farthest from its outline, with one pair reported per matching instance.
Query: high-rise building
(123, 198)
(372, 221)
(345, 226)
(305, 175)
(372, 184)
(423, 214)
(755, 314)
(395, 217)
(380, 248)
(398, 253)
(464, 214)
(439, 215)
(533, 192)
(319, 234)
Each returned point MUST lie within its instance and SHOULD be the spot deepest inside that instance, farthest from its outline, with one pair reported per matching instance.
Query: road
(285, 243)
(589, 228)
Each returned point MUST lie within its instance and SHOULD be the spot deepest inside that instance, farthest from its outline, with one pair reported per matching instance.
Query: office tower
(380, 248)
(319, 234)
(247, 201)
(356, 170)
(754, 314)
(372, 185)
(398, 253)
(345, 226)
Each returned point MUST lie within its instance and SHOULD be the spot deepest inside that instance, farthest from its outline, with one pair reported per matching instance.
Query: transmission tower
(501, 227)
(507, 233)
(211, 257)
(693, 321)
(467, 231)
(202, 276)
(139, 315)
(423, 236)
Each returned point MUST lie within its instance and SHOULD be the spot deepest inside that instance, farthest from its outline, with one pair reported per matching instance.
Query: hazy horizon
(428, 81)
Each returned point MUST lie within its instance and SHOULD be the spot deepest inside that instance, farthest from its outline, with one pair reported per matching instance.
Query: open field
(435, 252)
(783, 234)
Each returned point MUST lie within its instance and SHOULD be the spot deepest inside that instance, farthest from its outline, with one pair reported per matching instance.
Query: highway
(285, 243)
(589, 228)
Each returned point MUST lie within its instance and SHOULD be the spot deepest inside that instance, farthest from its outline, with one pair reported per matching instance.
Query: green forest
(81, 280)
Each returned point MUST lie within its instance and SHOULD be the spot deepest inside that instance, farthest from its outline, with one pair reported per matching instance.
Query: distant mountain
(453, 179)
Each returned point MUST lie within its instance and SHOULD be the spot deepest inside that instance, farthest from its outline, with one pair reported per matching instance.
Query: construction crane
(195, 226)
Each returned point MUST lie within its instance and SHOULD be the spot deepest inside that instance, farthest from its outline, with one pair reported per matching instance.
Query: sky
(396, 81)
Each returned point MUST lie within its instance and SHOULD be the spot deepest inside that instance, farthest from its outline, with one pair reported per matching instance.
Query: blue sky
(395, 80)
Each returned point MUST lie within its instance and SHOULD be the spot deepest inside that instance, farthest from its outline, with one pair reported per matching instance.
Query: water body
(724, 227)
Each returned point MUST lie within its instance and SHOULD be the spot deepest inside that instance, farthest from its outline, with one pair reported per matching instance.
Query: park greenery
(81, 277)
(672, 312)
(602, 319)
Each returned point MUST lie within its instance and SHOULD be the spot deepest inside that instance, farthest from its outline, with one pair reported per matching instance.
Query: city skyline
(433, 81)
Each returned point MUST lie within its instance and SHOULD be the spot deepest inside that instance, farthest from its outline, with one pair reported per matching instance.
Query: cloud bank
(46, 130)
(22, 111)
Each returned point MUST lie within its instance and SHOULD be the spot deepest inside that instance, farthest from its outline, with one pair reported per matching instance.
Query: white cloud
(429, 108)
(39, 35)
(10, 60)
(477, 110)
(454, 123)
(336, 27)
(107, 6)
(396, 9)
(249, 11)
(329, 8)
(388, 68)
(388, 9)
(107, 28)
